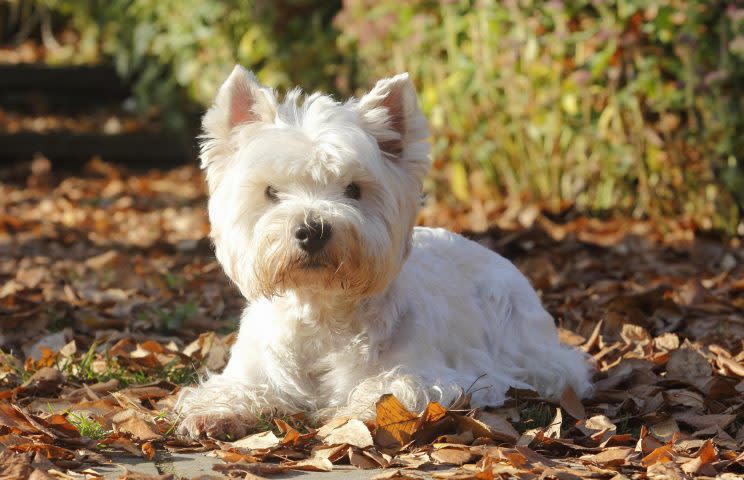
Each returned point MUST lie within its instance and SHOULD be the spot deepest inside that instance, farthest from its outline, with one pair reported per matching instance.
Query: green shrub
(603, 105)
(179, 51)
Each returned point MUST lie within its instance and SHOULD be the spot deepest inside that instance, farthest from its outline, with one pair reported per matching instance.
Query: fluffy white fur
(384, 307)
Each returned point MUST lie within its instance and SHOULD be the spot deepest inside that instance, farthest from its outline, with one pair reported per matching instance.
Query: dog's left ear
(390, 112)
(241, 100)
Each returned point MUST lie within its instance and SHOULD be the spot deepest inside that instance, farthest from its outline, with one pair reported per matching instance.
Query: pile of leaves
(107, 286)
(102, 121)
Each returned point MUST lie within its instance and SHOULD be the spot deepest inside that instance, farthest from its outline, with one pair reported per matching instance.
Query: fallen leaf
(45, 381)
(663, 454)
(451, 456)
(553, 430)
(612, 456)
(138, 428)
(496, 428)
(316, 464)
(256, 441)
(148, 450)
(360, 460)
(705, 456)
(395, 424)
(665, 430)
(352, 432)
(570, 403)
(687, 365)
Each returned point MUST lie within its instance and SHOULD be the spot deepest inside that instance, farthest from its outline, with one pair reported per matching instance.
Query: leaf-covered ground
(111, 299)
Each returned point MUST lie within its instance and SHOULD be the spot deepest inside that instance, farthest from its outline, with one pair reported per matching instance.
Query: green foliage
(83, 370)
(87, 426)
(630, 104)
(181, 50)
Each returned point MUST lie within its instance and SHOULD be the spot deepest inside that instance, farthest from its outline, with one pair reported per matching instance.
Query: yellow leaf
(395, 424)
(459, 181)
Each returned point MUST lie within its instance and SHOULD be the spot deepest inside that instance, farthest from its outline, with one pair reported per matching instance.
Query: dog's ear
(241, 100)
(390, 112)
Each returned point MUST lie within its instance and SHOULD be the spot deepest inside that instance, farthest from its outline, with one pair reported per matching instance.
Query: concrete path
(194, 465)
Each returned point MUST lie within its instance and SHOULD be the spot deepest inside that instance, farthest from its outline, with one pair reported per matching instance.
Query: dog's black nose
(313, 235)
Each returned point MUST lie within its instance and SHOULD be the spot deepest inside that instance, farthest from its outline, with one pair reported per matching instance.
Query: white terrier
(312, 205)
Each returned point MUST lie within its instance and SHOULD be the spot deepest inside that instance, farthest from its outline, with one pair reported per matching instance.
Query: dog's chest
(326, 362)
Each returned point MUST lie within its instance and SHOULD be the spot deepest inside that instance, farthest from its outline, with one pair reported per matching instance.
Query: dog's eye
(353, 191)
(270, 194)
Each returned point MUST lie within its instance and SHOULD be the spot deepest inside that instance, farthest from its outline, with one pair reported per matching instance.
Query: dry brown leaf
(731, 366)
(232, 456)
(501, 431)
(291, 436)
(45, 381)
(360, 460)
(117, 441)
(12, 418)
(612, 456)
(663, 454)
(533, 457)
(256, 441)
(665, 471)
(451, 456)
(689, 366)
(383, 461)
(138, 428)
(411, 460)
(331, 425)
(211, 349)
(39, 474)
(352, 432)
(433, 413)
(706, 421)
(15, 465)
(570, 403)
(667, 341)
(499, 427)
(148, 450)
(395, 424)
(51, 452)
(598, 427)
(553, 430)
(705, 456)
(316, 464)
(333, 453)
(665, 430)
(395, 475)
(684, 397)
(635, 334)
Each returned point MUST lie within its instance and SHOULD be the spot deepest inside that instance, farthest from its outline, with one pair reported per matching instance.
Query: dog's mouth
(313, 265)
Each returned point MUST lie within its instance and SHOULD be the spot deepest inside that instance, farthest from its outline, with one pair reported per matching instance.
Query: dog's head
(311, 194)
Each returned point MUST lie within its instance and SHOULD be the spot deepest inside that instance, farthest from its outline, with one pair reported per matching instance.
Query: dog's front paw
(219, 427)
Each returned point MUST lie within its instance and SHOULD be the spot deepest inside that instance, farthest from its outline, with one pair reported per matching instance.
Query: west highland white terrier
(312, 205)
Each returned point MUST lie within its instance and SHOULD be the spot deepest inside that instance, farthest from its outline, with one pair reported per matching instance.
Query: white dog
(313, 204)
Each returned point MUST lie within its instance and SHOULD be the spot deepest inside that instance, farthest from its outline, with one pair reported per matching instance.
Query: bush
(600, 105)
(179, 51)
(603, 105)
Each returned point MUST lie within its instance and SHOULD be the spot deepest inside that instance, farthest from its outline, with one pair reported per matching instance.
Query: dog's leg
(222, 407)
(412, 390)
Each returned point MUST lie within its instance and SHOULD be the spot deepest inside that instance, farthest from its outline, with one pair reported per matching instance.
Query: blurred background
(604, 108)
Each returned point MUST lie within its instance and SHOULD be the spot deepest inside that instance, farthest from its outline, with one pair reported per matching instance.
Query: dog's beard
(342, 267)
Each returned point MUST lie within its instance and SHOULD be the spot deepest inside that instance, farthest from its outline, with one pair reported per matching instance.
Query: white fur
(422, 313)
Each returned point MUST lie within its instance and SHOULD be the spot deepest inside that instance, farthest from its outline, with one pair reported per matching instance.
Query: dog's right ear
(241, 100)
